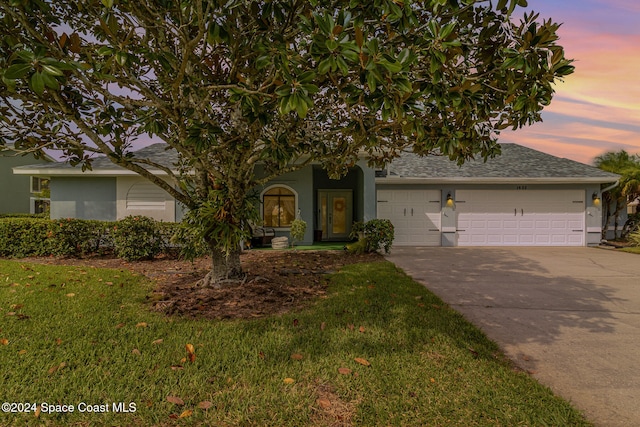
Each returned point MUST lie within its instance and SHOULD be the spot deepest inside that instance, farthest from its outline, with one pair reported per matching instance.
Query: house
(21, 194)
(523, 197)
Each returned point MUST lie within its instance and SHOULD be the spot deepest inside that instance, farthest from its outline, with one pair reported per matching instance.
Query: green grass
(77, 335)
(632, 249)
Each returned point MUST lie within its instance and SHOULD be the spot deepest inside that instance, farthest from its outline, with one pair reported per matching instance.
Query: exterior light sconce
(449, 200)
(596, 199)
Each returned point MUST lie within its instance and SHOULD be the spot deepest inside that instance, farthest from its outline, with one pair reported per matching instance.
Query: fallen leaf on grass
(324, 403)
(191, 352)
(205, 405)
(56, 368)
(4, 341)
(186, 413)
(142, 325)
(158, 341)
(176, 368)
(297, 356)
(323, 325)
(362, 361)
(136, 352)
(344, 371)
(175, 400)
(289, 381)
(21, 352)
(119, 325)
(361, 330)
(71, 295)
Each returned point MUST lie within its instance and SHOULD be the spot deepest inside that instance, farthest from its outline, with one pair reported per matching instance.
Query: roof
(8, 150)
(160, 153)
(516, 163)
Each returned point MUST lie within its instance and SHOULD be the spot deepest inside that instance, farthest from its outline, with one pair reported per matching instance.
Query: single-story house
(522, 197)
(19, 193)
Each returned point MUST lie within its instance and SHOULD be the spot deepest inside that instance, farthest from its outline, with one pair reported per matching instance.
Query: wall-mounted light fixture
(595, 198)
(449, 200)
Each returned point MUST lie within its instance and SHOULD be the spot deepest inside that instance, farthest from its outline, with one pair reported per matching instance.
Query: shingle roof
(159, 153)
(516, 161)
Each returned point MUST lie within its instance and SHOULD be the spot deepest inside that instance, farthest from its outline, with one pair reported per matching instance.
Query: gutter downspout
(614, 185)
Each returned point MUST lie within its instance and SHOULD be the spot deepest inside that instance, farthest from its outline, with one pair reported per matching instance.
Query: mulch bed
(276, 282)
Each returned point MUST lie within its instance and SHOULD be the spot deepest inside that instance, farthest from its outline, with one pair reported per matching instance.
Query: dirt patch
(330, 410)
(276, 282)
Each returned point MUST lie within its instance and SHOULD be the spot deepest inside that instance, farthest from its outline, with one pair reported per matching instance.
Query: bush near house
(132, 238)
(372, 235)
(136, 238)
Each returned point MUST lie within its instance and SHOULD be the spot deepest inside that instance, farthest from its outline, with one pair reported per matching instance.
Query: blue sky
(596, 109)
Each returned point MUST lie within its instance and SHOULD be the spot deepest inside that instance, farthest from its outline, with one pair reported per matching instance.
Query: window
(39, 185)
(39, 206)
(279, 207)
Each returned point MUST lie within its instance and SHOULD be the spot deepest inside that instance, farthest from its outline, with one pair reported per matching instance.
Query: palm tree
(615, 200)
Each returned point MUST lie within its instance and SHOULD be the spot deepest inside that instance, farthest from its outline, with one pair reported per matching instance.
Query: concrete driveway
(569, 316)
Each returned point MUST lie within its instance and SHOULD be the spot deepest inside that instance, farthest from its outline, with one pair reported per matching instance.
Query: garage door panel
(526, 218)
(415, 215)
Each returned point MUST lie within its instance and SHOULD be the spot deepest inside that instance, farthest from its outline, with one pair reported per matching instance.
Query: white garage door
(520, 217)
(415, 215)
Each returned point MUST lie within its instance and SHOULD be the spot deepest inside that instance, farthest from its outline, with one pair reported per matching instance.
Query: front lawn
(632, 249)
(378, 350)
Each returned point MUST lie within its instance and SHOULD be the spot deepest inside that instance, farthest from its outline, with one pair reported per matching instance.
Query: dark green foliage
(74, 237)
(22, 237)
(132, 238)
(136, 238)
(373, 234)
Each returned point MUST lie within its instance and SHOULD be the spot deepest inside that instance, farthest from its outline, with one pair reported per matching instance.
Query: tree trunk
(619, 208)
(225, 269)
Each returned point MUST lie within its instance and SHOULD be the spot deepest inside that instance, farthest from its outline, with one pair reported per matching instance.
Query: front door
(335, 214)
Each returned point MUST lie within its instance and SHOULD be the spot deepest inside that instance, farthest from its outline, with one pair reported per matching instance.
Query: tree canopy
(628, 188)
(235, 83)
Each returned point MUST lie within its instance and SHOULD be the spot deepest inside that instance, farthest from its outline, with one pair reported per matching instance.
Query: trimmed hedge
(133, 238)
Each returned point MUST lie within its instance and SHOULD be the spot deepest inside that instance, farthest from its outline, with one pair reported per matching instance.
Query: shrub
(359, 247)
(298, 228)
(136, 238)
(634, 238)
(22, 237)
(377, 233)
(133, 238)
(74, 237)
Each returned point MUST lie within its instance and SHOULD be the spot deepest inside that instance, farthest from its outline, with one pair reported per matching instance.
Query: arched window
(278, 207)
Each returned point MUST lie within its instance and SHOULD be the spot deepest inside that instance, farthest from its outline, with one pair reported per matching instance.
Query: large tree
(235, 83)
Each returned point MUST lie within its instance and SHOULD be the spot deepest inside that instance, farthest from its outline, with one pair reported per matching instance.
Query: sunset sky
(596, 109)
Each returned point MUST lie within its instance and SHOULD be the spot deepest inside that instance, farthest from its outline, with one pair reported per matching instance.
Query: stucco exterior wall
(156, 203)
(301, 182)
(15, 190)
